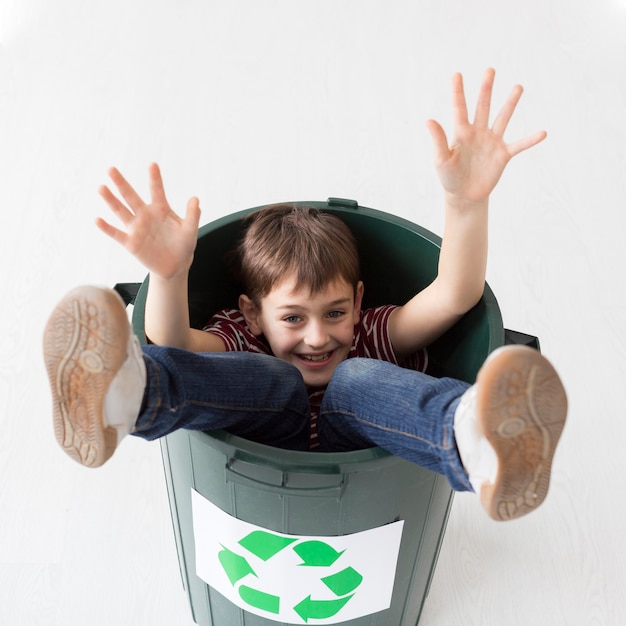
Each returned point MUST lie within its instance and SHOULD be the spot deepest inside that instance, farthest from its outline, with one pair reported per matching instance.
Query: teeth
(315, 357)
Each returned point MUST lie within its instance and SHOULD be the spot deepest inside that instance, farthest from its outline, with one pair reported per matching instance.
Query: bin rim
(341, 207)
(334, 205)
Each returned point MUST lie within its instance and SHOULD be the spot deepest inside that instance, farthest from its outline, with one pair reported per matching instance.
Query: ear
(251, 314)
(358, 300)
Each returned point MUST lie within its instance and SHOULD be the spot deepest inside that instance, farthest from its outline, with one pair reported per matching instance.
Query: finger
(483, 106)
(111, 231)
(504, 116)
(440, 142)
(115, 205)
(157, 192)
(459, 105)
(192, 216)
(524, 144)
(127, 192)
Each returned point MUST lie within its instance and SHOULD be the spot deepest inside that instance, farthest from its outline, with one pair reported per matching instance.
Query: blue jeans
(367, 403)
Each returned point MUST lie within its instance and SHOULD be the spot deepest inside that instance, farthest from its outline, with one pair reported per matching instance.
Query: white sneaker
(507, 427)
(478, 456)
(96, 371)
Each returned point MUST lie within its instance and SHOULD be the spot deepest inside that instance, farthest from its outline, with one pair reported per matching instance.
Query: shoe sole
(521, 407)
(85, 344)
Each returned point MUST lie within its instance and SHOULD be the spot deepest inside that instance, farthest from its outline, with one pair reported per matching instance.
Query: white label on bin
(292, 578)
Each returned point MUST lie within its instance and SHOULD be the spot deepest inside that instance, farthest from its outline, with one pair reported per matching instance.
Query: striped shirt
(371, 340)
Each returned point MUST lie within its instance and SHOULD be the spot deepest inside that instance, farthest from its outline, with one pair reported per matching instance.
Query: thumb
(440, 141)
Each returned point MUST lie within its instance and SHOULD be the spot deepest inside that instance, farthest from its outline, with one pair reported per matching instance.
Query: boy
(259, 371)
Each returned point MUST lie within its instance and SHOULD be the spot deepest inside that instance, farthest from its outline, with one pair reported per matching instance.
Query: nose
(316, 336)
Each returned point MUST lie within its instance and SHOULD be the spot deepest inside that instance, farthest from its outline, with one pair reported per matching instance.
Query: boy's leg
(103, 386)
(411, 415)
(255, 396)
(497, 437)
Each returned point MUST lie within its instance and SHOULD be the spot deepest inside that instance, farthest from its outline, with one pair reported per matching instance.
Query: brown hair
(287, 239)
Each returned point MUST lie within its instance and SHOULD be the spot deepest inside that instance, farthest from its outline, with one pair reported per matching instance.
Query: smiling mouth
(315, 358)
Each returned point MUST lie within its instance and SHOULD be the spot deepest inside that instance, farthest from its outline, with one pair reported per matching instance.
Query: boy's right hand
(162, 241)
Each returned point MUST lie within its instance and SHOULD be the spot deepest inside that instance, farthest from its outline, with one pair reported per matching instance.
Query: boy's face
(314, 332)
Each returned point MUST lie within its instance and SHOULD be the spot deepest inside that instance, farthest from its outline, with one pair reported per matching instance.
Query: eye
(292, 319)
(335, 314)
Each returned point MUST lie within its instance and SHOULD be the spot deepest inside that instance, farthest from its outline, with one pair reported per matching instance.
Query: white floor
(253, 101)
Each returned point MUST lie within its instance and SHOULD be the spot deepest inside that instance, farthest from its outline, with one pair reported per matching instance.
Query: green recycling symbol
(312, 553)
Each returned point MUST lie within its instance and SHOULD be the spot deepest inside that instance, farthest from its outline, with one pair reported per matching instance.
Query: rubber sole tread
(85, 344)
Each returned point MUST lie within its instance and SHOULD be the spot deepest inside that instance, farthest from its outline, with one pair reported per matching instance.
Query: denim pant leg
(255, 396)
(411, 415)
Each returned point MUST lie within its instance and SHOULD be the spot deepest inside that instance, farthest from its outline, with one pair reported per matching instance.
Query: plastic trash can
(318, 516)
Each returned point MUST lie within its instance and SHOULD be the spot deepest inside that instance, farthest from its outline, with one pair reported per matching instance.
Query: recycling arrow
(343, 582)
(319, 609)
(265, 545)
(235, 566)
(260, 599)
(316, 553)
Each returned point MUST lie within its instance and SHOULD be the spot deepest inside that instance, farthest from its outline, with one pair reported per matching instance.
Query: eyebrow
(334, 303)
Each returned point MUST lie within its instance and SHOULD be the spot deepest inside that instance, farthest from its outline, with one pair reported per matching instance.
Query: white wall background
(252, 101)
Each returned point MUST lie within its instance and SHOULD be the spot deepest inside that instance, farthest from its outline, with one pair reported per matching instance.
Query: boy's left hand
(470, 168)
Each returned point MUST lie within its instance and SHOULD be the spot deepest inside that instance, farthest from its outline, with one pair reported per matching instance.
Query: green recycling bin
(268, 536)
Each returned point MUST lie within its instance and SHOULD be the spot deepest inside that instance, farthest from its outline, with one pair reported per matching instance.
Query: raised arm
(164, 243)
(469, 168)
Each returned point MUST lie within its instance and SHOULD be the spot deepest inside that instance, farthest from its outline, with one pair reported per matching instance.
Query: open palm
(162, 241)
(472, 165)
